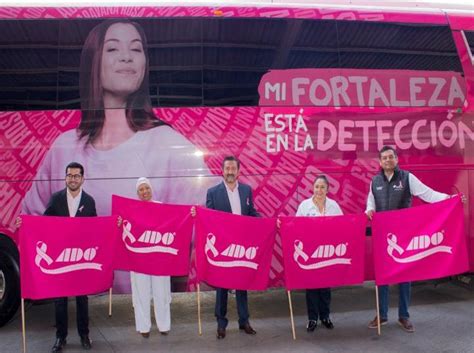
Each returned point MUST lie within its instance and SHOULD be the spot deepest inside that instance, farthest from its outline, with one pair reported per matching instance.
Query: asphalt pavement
(443, 316)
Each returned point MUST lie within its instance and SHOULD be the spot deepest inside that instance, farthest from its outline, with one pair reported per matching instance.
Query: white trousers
(145, 287)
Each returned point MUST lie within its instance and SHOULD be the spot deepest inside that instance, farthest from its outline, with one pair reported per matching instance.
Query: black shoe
(327, 323)
(311, 326)
(248, 329)
(220, 333)
(58, 345)
(86, 342)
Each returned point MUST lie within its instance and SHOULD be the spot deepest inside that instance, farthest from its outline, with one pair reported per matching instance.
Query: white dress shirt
(307, 208)
(234, 199)
(417, 188)
(73, 202)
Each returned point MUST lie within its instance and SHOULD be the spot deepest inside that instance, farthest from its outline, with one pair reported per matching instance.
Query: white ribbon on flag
(209, 247)
(127, 234)
(392, 245)
(326, 263)
(41, 248)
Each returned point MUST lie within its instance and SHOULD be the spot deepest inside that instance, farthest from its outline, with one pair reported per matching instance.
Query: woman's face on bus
(144, 192)
(320, 189)
(123, 60)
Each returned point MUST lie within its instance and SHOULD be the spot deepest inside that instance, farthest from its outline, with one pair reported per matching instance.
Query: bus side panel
(469, 209)
(467, 66)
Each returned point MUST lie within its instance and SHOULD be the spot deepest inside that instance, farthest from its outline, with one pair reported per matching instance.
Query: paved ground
(443, 318)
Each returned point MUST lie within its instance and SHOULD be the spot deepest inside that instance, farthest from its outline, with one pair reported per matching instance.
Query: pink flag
(156, 237)
(65, 256)
(420, 243)
(320, 252)
(233, 251)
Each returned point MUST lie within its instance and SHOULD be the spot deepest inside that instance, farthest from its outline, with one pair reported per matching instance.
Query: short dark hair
(232, 159)
(387, 148)
(75, 165)
(323, 178)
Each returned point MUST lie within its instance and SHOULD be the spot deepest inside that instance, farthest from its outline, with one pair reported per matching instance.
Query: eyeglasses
(74, 176)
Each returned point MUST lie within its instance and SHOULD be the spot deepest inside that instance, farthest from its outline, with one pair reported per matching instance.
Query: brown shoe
(248, 329)
(164, 333)
(220, 333)
(145, 334)
(406, 325)
(373, 323)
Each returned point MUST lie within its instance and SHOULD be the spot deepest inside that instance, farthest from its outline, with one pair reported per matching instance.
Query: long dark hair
(138, 110)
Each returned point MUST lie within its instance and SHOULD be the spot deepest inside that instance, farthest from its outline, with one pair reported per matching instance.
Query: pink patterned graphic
(381, 15)
(342, 144)
(200, 11)
(25, 138)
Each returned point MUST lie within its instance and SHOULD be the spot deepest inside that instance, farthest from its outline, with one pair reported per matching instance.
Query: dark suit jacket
(57, 205)
(217, 199)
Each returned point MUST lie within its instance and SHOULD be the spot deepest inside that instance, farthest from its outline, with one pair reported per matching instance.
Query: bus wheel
(9, 286)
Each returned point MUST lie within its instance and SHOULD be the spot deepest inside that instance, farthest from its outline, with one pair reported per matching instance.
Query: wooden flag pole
(110, 302)
(378, 309)
(291, 316)
(199, 309)
(23, 326)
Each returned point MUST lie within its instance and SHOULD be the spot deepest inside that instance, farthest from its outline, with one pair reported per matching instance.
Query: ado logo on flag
(150, 238)
(235, 251)
(82, 259)
(329, 255)
(418, 243)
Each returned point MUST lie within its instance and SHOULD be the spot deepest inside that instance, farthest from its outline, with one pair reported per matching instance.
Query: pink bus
(293, 92)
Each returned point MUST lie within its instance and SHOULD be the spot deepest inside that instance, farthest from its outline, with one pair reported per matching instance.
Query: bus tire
(10, 285)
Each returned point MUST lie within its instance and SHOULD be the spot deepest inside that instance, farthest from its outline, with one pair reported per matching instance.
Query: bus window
(366, 45)
(470, 42)
(313, 45)
(28, 64)
(214, 62)
(236, 53)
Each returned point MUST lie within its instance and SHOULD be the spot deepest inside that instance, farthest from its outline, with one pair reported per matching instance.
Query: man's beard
(75, 188)
(230, 178)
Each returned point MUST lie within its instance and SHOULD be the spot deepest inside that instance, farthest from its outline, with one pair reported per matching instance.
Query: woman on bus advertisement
(119, 138)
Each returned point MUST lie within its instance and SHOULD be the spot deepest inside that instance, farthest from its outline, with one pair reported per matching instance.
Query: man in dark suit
(233, 197)
(72, 201)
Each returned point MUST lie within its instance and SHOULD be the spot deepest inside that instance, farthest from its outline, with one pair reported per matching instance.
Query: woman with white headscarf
(145, 287)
